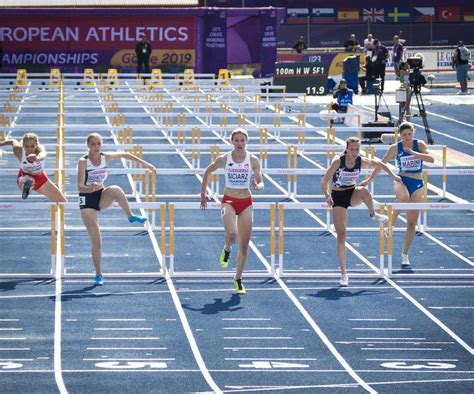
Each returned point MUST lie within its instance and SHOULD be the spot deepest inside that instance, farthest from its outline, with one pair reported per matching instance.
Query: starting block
(88, 77)
(21, 77)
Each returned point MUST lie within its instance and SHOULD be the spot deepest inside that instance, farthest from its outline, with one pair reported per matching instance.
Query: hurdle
(55, 77)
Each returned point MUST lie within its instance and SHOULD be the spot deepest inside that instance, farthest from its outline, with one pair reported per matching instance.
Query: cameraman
(344, 97)
(461, 57)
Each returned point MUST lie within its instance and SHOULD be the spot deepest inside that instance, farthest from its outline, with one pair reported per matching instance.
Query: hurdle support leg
(272, 238)
(163, 235)
(171, 220)
(280, 239)
(382, 244)
(389, 240)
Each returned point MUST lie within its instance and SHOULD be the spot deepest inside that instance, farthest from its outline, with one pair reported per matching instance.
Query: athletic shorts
(239, 204)
(40, 179)
(461, 72)
(90, 200)
(342, 198)
(412, 184)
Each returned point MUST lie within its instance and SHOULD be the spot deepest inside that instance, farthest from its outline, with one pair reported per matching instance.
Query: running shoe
(138, 219)
(224, 258)
(344, 282)
(379, 218)
(99, 280)
(405, 261)
(26, 189)
(239, 286)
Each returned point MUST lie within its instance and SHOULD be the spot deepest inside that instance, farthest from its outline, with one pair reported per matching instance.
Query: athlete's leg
(114, 193)
(340, 223)
(230, 225)
(244, 228)
(412, 218)
(362, 194)
(50, 190)
(91, 221)
(402, 196)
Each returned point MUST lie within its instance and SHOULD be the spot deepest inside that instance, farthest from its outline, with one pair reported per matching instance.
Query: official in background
(397, 54)
(300, 45)
(461, 56)
(344, 97)
(379, 57)
(143, 52)
(352, 45)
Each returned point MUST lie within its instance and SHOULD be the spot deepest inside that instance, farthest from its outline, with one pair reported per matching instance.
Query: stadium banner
(75, 42)
(268, 49)
(215, 40)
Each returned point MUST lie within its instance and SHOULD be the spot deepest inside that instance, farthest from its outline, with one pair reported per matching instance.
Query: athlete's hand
(257, 186)
(396, 178)
(330, 201)
(204, 200)
(31, 157)
(97, 186)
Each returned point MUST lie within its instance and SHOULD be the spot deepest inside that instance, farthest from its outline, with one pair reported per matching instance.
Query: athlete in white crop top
(31, 175)
(94, 196)
(237, 211)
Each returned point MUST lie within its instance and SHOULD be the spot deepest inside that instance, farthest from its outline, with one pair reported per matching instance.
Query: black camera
(416, 78)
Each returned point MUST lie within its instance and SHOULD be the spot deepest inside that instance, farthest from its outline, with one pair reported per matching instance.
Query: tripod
(416, 91)
(378, 99)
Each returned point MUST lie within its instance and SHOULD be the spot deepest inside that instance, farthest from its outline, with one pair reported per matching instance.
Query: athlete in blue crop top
(410, 155)
(344, 172)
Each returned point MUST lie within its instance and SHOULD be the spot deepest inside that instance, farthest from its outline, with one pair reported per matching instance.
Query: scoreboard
(310, 78)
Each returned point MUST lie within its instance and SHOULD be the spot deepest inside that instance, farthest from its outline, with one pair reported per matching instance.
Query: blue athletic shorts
(412, 184)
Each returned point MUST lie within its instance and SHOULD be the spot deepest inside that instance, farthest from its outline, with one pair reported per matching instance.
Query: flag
(297, 15)
(424, 14)
(468, 16)
(398, 14)
(324, 15)
(373, 14)
(348, 15)
(449, 14)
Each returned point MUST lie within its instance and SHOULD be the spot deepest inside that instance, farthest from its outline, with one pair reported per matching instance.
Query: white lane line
(16, 359)
(128, 359)
(285, 338)
(123, 329)
(398, 342)
(429, 349)
(238, 389)
(12, 339)
(9, 320)
(449, 249)
(11, 329)
(392, 339)
(450, 119)
(451, 307)
(251, 328)
(263, 348)
(120, 319)
(14, 348)
(269, 359)
(372, 319)
(126, 338)
(127, 348)
(412, 359)
(431, 316)
(423, 381)
(246, 318)
(382, 328)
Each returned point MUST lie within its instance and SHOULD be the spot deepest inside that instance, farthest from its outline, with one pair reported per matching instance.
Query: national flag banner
(323, 15)
(469, 16)
(398, 15)
(297, 15)
(449, 14)
(373, 15)
(424, 14)
(347, 15)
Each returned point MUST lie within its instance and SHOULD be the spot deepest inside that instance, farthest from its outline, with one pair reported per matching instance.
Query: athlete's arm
(424, 153)
(258, 179)
(15, 145)
(81, 178)
(327, 177)
(378, 165)
(216, 164)
(392, 151)
(128, 156)
(41, 155)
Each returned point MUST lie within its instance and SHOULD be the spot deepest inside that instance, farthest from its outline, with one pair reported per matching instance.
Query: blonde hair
(349, 141)
(93, 135)
(239, 130)
(30, 136)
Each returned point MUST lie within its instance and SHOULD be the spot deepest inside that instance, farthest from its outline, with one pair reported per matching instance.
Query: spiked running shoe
(99, 280)
(224, 258)
(239, 286)
(405, 261)
(135, 218)
(26, 189)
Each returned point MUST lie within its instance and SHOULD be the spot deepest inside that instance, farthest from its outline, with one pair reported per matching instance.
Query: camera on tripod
(416, 78)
